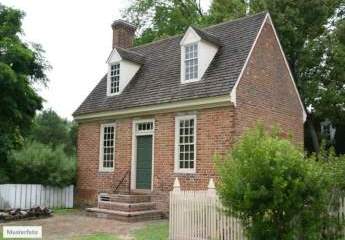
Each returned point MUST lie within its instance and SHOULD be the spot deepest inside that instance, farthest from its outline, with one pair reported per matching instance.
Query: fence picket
(31, 195)
(198, 215)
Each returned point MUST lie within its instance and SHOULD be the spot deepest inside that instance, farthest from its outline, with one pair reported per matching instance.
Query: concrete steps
(124, 207)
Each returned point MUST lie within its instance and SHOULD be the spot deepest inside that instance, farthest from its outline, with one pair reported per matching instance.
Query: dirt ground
(76, 223)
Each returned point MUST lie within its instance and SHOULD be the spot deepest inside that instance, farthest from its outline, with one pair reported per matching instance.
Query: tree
(50, 129)
(267, 183)
(161, 18)
(21, 65)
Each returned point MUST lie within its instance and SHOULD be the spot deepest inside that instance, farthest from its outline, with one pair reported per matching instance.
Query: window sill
(110, 170)
(190, 81)
(190, 172)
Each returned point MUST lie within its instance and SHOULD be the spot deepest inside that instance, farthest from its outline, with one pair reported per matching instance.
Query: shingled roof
(158, 80)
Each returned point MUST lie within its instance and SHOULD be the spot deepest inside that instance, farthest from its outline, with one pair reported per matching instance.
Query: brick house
(165, 108)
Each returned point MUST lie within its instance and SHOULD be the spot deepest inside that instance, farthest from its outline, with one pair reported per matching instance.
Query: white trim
(233, 92)
(101, 138)
(199, 103)
(177, 136)
(135, 133)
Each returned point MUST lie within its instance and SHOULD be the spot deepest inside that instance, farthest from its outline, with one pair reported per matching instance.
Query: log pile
(17, 213)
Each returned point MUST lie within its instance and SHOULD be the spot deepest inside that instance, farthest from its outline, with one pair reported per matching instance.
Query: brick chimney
(123, 34)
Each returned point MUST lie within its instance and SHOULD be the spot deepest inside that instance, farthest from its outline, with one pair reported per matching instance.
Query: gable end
(233, 94)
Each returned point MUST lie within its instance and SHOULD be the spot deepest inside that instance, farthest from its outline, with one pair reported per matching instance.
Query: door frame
(135, 134)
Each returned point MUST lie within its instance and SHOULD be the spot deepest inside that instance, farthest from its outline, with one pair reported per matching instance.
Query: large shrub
(267, 183)
(37, 163)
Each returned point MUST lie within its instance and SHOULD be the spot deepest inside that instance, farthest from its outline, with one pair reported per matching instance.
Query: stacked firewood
(17, 213)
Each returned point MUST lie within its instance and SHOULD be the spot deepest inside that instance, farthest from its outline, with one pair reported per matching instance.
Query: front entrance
(142, 155)
(144, 162)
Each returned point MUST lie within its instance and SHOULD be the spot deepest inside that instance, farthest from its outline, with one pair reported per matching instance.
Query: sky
(76, 36)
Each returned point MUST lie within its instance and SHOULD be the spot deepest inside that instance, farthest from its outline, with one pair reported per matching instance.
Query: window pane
(108, 146)
(186, 143)
(115, 78)
(191, 62)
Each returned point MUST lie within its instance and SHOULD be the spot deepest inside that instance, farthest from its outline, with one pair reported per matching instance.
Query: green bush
(37, 163)
(273, 189)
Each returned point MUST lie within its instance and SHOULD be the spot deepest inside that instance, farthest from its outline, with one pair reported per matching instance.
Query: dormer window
(191, 62)
(115, 78)
(198, 49)
(122, 67)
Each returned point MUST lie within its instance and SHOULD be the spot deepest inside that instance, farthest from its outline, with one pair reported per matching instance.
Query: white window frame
(101, 148)
(109, 93)
(177, 168)
(183, 62)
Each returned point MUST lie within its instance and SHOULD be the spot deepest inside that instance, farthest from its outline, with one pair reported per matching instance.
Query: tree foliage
(21, 65)
(50, 129)
(161, 18)
(38, 163)
(266, 182)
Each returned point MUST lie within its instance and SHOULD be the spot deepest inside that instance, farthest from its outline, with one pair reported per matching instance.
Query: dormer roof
(128, 55)
(206, 36)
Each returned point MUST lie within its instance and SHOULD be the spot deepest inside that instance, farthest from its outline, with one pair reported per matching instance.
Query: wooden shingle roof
(158, 80)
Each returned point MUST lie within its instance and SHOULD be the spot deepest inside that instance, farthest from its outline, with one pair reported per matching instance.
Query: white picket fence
(30, 195)
(198, 215)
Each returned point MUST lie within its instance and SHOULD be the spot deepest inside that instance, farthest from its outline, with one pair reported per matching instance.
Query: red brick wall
(89, 180)
(214, 135)
(266, 93)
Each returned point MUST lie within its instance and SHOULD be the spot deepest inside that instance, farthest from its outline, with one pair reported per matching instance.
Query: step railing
(127, 174)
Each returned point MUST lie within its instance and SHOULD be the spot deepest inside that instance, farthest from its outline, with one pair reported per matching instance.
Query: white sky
(76, 36)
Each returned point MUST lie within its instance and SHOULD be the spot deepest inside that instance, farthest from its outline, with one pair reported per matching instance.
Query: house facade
(165, 109)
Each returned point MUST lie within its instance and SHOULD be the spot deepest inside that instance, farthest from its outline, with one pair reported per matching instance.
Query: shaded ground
(74, 224)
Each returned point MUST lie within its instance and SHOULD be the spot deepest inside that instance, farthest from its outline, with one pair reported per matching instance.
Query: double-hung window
(191, 62)
(185, 144)
(114, 78)
(107, 147)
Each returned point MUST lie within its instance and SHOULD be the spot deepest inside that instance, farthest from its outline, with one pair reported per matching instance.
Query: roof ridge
(235, 20)
(206, 28)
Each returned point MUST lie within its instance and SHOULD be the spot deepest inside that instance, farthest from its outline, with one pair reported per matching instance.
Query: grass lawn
(153, 232)
(98, 236)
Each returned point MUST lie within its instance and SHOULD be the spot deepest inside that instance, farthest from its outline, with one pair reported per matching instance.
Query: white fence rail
(30, 195)
(198, 215)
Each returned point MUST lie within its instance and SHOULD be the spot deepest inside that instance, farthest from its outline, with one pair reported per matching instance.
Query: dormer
(122, 66)
(122, 63)
(198, 48)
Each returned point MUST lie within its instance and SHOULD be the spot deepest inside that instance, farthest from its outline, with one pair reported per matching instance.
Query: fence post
(177, 187)
(211, 191)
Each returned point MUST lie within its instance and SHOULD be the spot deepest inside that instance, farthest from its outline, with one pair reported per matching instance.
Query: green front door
(144, 162)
